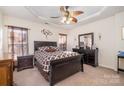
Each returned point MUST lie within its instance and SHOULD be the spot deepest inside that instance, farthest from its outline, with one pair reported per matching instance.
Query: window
(63, 41)
(17, 41)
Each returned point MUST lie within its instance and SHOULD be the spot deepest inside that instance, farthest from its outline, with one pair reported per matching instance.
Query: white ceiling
(42, 14)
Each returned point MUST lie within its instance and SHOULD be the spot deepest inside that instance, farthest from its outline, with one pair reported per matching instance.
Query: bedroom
(105, 22)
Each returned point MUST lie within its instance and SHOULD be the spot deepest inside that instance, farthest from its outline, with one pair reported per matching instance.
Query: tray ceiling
(43, 14)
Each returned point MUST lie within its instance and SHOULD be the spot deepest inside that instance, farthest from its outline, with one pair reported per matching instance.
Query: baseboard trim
(107, 67)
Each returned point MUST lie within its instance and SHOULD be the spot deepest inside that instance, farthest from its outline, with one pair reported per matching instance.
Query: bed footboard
(63, 68)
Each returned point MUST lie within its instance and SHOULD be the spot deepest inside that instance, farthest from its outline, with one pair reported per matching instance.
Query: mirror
(86, 40)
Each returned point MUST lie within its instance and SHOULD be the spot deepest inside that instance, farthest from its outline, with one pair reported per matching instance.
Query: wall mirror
(86, 40)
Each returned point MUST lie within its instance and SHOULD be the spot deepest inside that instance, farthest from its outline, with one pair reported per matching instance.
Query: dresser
(6, 70)
(90, 56)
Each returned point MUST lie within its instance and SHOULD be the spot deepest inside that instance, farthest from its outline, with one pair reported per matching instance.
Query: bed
(59, 69)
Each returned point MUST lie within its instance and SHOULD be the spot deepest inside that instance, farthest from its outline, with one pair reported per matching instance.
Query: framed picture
(122, 33)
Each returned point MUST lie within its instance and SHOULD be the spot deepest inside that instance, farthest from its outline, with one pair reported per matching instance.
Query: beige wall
(34, 32)
(110, 43)
(1, 29)
(119, 23)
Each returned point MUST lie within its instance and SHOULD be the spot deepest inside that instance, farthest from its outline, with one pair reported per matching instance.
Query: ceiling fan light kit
(66, 20)
(63, 20)
(70, 20)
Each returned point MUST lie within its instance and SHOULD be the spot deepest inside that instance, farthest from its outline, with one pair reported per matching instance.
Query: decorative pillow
(56, 48)
(43, 48)
(50, 49)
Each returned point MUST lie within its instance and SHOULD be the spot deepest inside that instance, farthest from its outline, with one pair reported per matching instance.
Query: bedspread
(44, 58)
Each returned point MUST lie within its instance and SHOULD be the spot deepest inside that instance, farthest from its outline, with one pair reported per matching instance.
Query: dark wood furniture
(90, 56)
(88, 48)
(61, 68)
(24, 62)
(6, 70)
(118, 57)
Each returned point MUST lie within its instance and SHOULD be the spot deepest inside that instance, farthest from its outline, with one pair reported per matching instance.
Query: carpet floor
(92, 76)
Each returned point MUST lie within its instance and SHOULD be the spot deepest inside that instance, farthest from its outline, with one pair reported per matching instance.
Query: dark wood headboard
(43, 43)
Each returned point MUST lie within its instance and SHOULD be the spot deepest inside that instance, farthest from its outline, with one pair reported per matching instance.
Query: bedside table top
(26, 55)
(5, 56)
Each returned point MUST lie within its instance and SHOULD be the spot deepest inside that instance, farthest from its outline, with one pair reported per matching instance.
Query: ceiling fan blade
(74, 20)
(62, 8)
(55, 17)
(64, 11)
(76, 13)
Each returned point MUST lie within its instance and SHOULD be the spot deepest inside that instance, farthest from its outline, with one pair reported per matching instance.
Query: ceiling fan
(69, 16)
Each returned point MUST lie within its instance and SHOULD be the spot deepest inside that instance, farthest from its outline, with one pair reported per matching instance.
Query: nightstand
(24, 62)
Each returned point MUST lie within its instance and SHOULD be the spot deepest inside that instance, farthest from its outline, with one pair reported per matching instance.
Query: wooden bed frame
(59, 69)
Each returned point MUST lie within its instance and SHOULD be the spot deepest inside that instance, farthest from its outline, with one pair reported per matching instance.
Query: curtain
(17, 41)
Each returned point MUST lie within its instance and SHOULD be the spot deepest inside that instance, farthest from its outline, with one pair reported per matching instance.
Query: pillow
(50, 49)
(54, 47)
(43, 48)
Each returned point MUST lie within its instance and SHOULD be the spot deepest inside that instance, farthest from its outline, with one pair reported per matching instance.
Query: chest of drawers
(6, 70)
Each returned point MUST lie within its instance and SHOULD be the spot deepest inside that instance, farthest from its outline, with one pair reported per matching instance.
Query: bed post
(50, 77)
(82, 61)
